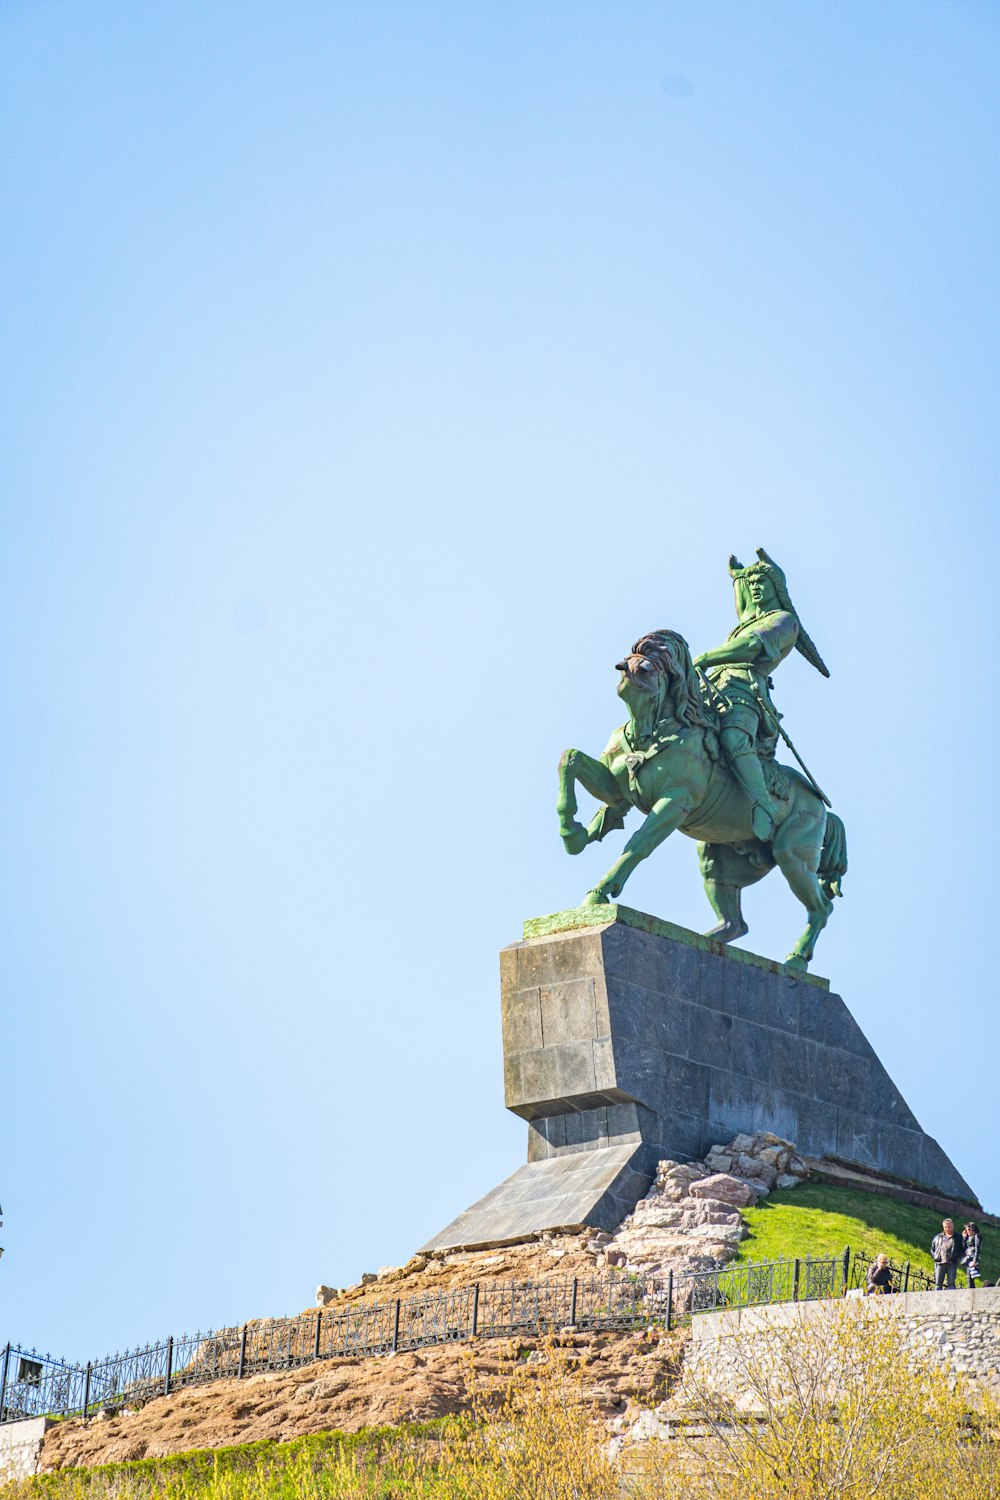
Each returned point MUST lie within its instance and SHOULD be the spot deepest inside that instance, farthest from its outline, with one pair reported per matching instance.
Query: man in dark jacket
(947, 1250)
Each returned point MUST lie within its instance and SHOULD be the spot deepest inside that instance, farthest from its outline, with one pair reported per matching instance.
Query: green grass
(817, 1219)
(269, 1467)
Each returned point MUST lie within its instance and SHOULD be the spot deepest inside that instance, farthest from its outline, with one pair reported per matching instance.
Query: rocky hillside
(690, 1219)
(696, 1216)
(622, 1375)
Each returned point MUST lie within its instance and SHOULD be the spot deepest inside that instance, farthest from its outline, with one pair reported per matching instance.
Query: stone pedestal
(628, 1040)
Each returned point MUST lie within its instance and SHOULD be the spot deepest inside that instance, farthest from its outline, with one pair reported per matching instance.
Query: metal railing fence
(33, 1385)
(905, 1276)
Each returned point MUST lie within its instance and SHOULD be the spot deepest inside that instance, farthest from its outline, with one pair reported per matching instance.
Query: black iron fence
(33, 1385)
(905, 1277)
(755, 1284)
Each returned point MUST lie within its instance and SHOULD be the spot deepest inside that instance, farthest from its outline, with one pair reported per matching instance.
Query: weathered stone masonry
(961, 1327)
(20, 1445)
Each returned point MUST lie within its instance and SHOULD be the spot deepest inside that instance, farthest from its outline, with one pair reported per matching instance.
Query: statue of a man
(739, 671)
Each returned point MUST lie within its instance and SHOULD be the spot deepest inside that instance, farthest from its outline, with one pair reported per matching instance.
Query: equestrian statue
(698, 754)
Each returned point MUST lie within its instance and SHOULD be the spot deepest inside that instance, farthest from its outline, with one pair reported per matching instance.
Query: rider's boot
(750, 774)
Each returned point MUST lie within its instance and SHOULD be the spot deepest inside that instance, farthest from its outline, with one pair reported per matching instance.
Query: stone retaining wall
(960, 1327)
(20, 1445)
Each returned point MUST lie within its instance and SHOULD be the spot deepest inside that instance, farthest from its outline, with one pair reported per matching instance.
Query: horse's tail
(833, 860)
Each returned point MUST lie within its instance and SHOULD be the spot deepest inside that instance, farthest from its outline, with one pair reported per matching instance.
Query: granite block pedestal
(628, 1040)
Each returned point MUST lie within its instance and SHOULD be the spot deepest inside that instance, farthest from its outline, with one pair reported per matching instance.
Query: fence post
(395, 1323)
(795, 1280)
(670, 1300)
(906, 1277)
(3, 1380)
(170, 1365)
(475, 1310)
(319, 1325)
(847, 1271)
(572, 1303)
(243, 1353)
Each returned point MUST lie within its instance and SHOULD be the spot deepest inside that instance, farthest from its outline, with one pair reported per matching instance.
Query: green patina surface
(697, 756)
(600, 916)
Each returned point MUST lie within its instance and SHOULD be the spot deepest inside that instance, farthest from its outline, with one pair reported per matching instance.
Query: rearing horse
(666, 762)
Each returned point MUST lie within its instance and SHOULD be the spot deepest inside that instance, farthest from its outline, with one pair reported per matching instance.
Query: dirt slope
(558, 1256)
(618, 1372)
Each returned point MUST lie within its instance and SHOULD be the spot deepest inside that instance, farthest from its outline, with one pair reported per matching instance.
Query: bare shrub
(829, 1406)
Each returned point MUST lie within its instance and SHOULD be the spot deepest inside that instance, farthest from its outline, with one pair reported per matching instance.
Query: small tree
(531, 1436)
(829, 1404)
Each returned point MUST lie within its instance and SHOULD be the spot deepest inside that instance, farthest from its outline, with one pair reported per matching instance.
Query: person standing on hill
(947, 1250)
(972, 1244)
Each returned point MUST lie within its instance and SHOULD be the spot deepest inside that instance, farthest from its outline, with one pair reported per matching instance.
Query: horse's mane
(670, 655)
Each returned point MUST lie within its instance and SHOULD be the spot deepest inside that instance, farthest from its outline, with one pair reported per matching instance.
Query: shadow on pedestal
(628, 1040)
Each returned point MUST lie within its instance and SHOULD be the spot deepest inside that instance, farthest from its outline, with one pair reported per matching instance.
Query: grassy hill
(817, 1219)
(266, 1470)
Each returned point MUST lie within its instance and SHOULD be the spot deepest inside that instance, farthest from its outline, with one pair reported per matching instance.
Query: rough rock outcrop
(690, 1219)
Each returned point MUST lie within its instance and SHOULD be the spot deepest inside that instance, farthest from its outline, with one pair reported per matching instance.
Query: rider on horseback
(768, 630)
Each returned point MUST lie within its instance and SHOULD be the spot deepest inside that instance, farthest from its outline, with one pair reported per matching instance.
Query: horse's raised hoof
(728, 932)
(797, 962)
(575, 841)
(594, 898)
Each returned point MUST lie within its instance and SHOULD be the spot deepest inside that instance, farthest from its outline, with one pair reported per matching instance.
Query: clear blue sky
(373, 376)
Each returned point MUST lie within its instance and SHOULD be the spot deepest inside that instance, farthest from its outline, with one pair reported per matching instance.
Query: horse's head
(658, 682)
(642, 688)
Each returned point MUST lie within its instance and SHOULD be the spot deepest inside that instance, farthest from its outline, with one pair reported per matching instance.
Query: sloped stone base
(628, 1040)
(588, 1189)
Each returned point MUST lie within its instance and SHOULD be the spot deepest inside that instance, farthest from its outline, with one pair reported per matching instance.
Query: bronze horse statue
(666, 762)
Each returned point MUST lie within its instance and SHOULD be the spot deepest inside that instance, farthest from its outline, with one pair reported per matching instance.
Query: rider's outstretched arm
(740, 653)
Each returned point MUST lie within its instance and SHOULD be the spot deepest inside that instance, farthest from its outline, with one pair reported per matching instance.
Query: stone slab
(583, 1189)
(578, 917)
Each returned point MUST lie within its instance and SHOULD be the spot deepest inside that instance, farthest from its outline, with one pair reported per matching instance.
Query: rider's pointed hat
(767, 566)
